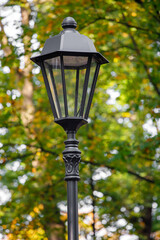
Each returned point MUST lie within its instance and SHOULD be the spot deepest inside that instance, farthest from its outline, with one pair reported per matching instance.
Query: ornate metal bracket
(71, 157)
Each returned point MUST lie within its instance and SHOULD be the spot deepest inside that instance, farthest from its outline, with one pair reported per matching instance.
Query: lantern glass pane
(91, 77)
(82, 74)
(74, 79)
(53, 69)
(74, 69)
(68, 77)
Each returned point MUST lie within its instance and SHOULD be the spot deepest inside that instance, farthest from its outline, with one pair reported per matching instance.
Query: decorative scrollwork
(72, 164)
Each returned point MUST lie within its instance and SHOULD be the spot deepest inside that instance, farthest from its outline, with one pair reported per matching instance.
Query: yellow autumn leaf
(134, 14)
(126, 114)
(41, 206)
(14, 221)
(63, 217)
(145, 80)
(115, 60)
(32, 214)
(38, 154)
(40, 231)
(36, 210)
(4, 226)
(125, 35)
(147, 88)
(13, 226)
(33, 170)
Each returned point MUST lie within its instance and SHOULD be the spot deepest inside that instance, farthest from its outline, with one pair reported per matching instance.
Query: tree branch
(117, 169)
(92, 163)
(7, 160)
(144, 65)
(119, 22)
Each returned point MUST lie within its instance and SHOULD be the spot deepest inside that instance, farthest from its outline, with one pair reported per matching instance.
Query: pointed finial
(69, 22)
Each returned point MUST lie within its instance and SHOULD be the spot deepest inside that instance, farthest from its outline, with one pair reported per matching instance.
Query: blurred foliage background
(119, 191)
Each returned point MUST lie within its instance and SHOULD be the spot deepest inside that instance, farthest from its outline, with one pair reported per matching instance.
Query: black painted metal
(92, 91)
(71, 157)
(48, 90)
(69, 42)
(69, 22)
(72, 205)
(76, 93)
(98, 56)
(71, 123)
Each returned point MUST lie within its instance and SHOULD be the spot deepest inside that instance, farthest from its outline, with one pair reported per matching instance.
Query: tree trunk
(147, 219)
(27, 112)
(55, 231)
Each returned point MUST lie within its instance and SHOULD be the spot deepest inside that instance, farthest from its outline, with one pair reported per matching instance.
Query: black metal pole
(72, 205)
(71, 157)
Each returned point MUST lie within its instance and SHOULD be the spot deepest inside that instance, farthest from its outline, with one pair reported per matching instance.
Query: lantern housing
(70, 66)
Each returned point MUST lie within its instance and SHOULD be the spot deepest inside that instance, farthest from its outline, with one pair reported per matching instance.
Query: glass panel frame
(81, 89)
(88, 106)
(64, 87)
(53, 85)
(85, 86)
(76, 93)
(48, 90)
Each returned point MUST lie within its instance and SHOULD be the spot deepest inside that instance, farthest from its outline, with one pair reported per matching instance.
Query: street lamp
(70, 66)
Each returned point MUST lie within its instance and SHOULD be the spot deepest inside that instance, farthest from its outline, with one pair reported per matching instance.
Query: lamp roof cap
(69, 22)
(68, 41)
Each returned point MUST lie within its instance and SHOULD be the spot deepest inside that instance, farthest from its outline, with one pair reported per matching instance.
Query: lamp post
(70, 66)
